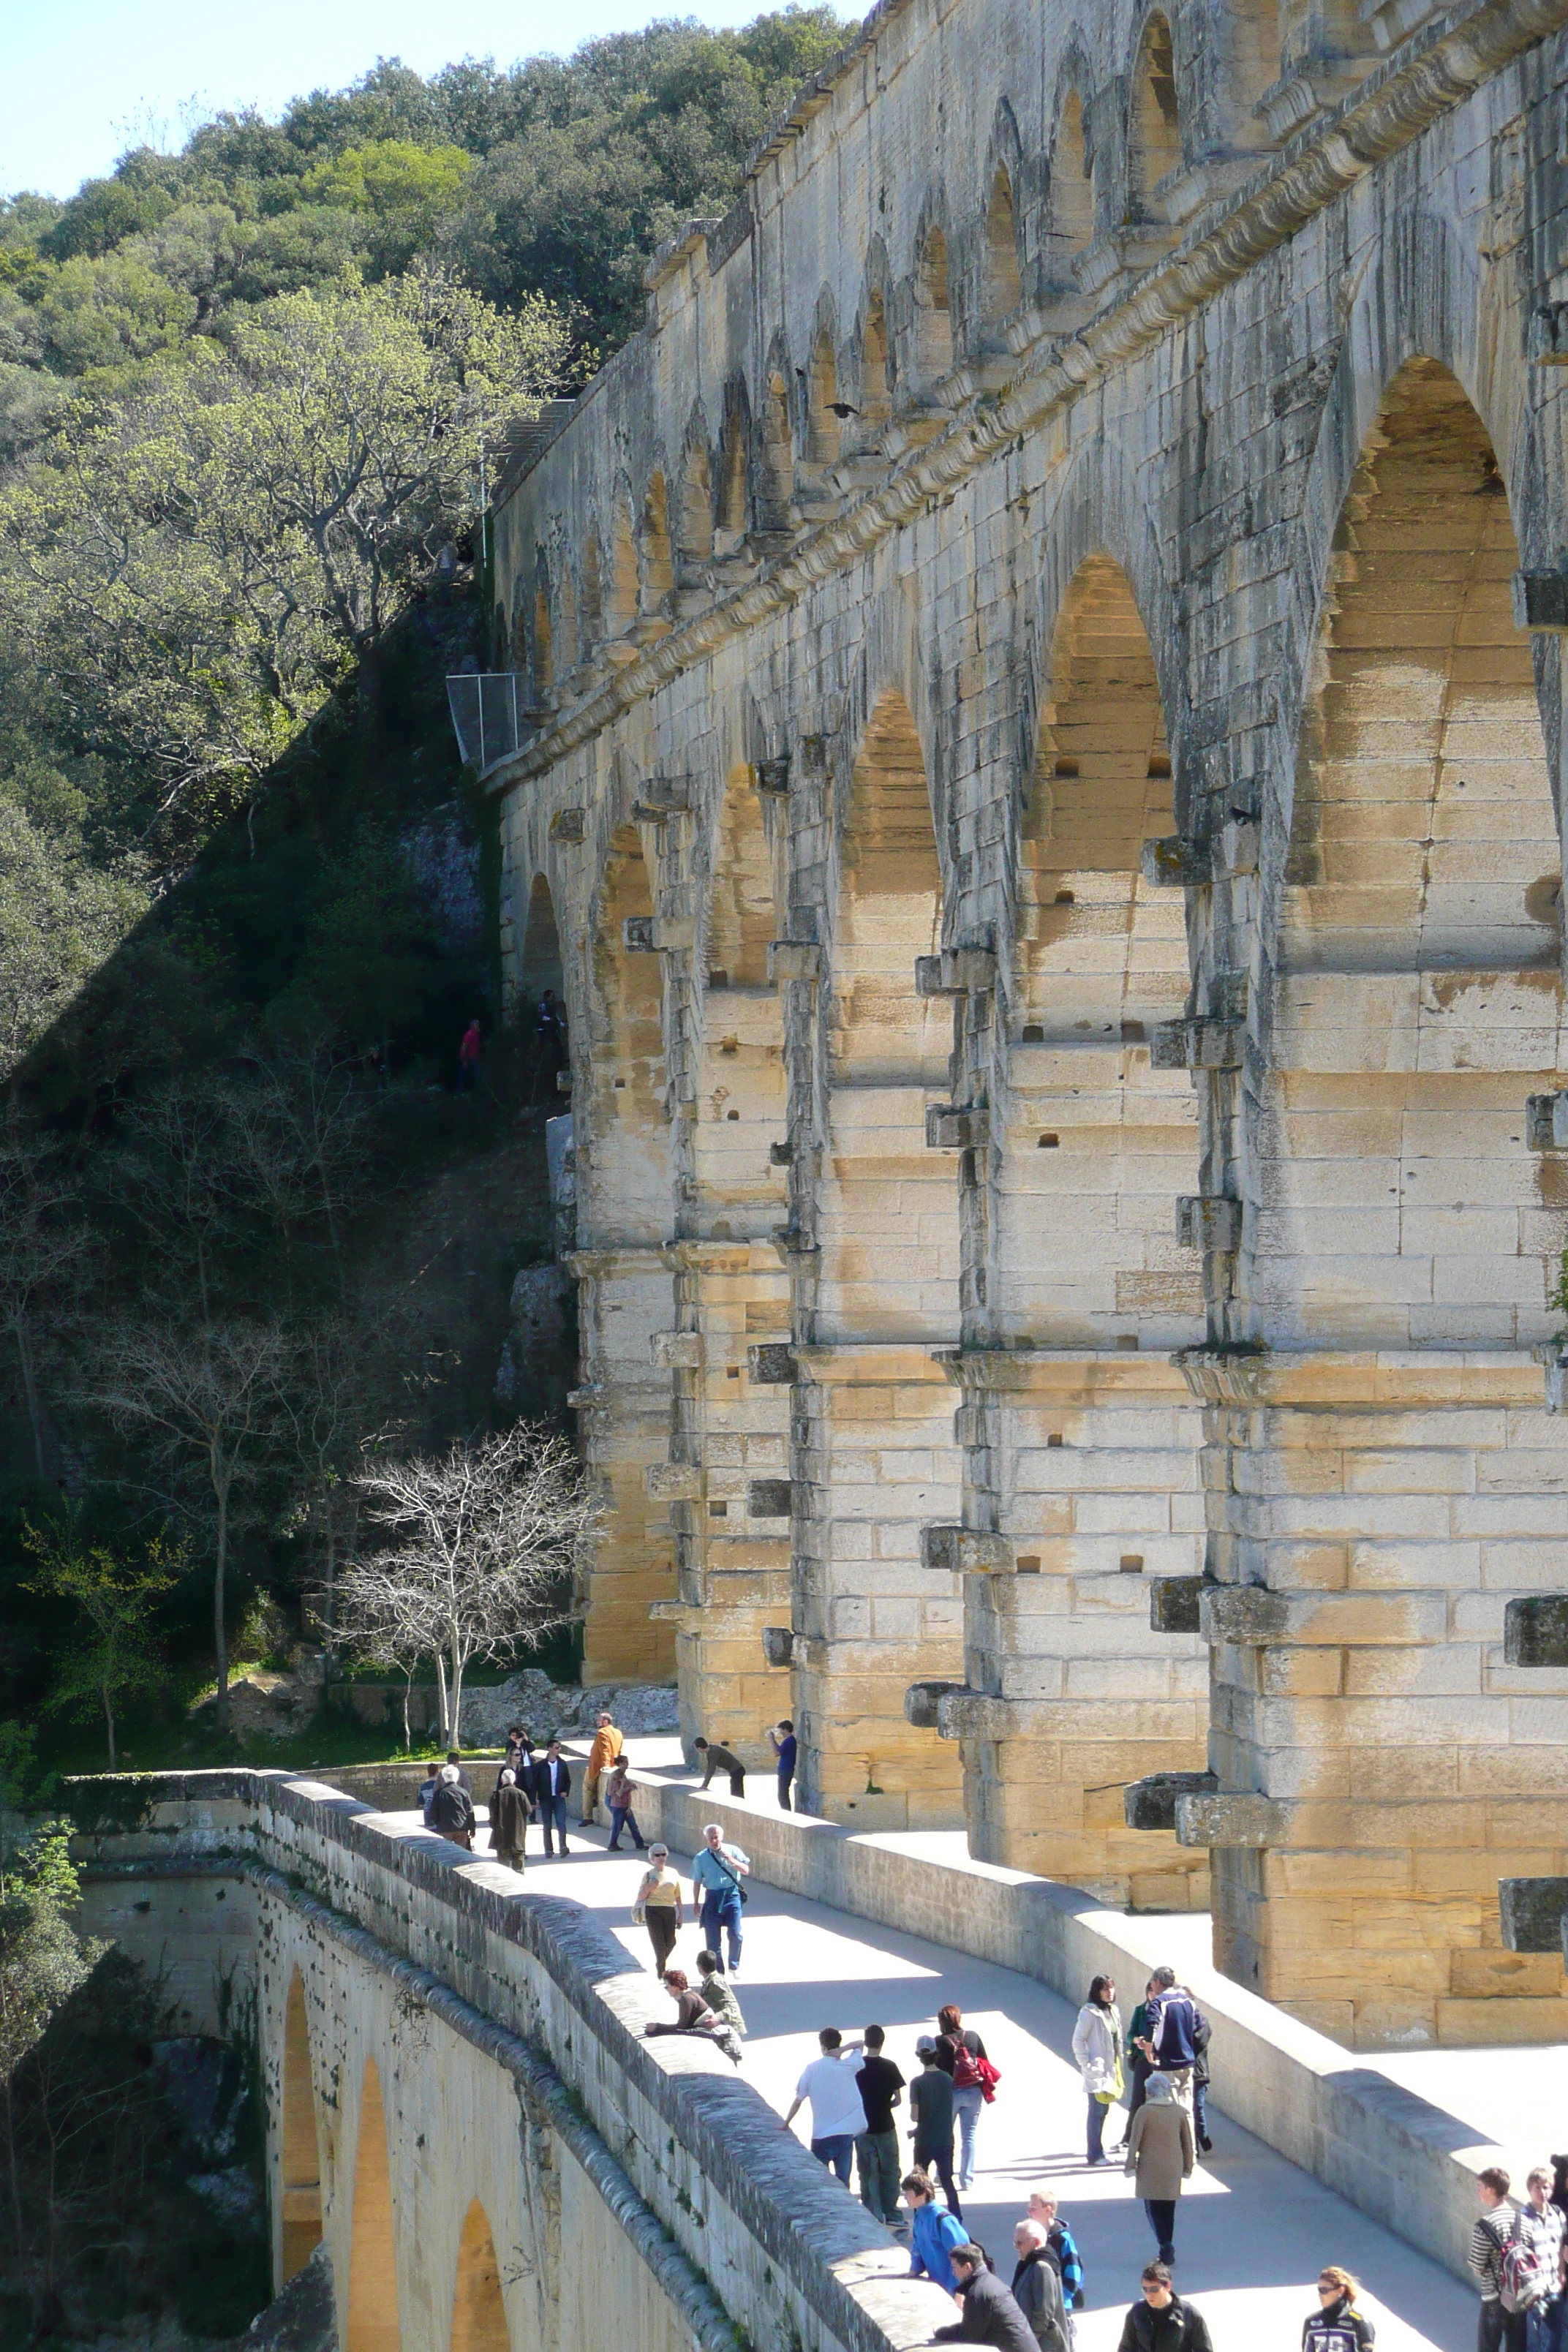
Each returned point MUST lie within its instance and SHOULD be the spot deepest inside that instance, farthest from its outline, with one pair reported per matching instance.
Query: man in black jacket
(552, 1787)
(1163, 2322)
(990, 2313)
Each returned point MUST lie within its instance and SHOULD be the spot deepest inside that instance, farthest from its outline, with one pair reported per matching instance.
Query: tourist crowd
(1152, 2074)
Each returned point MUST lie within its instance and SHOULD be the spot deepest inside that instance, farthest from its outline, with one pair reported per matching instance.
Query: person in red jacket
(469, 1059)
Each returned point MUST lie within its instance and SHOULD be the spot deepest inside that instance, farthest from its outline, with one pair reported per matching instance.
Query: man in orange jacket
(607, 1746)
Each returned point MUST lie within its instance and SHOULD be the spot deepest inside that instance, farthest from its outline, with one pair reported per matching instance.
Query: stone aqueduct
(1041, 792)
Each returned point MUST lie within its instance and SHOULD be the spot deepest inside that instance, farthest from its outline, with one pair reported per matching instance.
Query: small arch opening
(623, 600)
(1069, 213)
(933, 315)
(822, 426)
(543, 655)
(479, 2310)
(778, 457)
(1156, 139)
(301, 2161)
(733, 471)
(876, 398)
(593, 612)
(1003, 286)
(696, 507)
(657, 564)
(373, 2322)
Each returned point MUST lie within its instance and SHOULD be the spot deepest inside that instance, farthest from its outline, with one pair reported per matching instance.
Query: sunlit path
(1252, 2230)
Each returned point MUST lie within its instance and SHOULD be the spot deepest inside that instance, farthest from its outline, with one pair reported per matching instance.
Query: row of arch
(1117, 148)
(373, 2323)
(1423, 839)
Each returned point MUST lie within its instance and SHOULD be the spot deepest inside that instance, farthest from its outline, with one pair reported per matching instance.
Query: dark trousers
(1097, 2115)
(1162, 2212)
(737, 1784)
(721, 1914)
(938, 2160)
(1200, 2111)
(785, 1778)
(661, 1932)
(1500, 2330)
(876, 2156)
(553, 1809)
(622, 1817)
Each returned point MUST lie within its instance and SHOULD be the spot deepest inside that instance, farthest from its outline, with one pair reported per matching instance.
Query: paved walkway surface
(1252, 2230)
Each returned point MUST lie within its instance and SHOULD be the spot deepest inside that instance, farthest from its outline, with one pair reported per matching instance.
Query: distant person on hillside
(714, 1759)
(657, 1905)
(990, 2316)
(786, 1748)
(1162, 2322)
(930, 2105)
(468, 1054)
(1161, 2154)
(1336, 2326)
(618, 1800)
(717, 1876)
(837, 2118)
(453, 1811)
(1037, 2288)
(935, 2231)
(1499, 2330)
(881, 2087)
(509, 1821)
(553, 1786)
(607, 1746)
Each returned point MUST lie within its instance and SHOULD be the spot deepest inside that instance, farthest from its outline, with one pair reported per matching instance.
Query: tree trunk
(446, 1740)
(221, 1482)
(108, 1719)
(456, 1692)
(407, 1735)
(30, 1389)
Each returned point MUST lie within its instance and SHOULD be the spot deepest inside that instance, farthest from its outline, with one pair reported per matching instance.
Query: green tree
(117, 1655)
(42, 1960)
(194, 574)
(408, 192)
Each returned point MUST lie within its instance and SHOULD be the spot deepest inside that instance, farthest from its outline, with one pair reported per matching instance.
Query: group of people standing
(1160, 2066)
(531, 1788)
(1519, 2257)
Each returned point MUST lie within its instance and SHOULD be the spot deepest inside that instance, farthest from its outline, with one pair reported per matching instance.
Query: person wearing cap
(930, 2105)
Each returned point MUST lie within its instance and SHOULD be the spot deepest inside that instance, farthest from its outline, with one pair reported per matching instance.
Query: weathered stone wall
(460, 2098)
(1087, 432)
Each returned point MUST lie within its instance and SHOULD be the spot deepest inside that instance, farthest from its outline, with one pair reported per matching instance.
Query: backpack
(966, 2074)
(1522, 2276)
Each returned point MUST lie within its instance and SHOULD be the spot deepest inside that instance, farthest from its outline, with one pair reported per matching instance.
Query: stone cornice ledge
(1390, 110)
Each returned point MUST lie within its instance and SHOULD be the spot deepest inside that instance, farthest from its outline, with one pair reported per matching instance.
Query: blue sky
(85, 78)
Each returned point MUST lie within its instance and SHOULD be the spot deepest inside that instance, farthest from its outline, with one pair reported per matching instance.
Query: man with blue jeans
(837, 2116)
(716, 1874)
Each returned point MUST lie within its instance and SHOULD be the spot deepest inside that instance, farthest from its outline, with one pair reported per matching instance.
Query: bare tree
(178, 1178)
(208, 1400)
(299, 1125)
(339, 1408)
(489, 1537)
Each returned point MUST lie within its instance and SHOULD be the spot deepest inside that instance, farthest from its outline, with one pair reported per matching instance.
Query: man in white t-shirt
(837, 2118)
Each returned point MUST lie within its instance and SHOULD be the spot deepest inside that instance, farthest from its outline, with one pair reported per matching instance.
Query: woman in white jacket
(1097, 2047)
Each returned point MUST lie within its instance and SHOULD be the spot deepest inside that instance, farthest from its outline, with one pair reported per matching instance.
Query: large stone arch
(1082, 1444)
(299, 2180)
(372, 2323)
(1399, 1251)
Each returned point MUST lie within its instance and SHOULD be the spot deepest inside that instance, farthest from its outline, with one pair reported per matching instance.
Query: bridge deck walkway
(1252, 2229)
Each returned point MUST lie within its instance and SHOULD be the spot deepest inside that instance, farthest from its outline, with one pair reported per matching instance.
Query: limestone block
(1535, 1630)
(670, 1349)
(1174, 1604)
(1253, 1617)
(672, 1482)
(1230, 1821)
(922, 1704)
(1151, 1803)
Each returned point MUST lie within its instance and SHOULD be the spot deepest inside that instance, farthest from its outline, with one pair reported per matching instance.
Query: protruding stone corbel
(1246, 1614)
(957, 1127)
(773, 777)
(957, 971)
(1534, 1914)
(778, 1644)
(658, 934)
(794, 960)
(1208, 1221)
(769, 1498)
(921, 1701)
(1151, 1803)
(772, 1364)
(1174, 1604)
(1546, 1122)
(1541, 603)
(672, 1351)
(1172, 863)
(957, 1549)
(661, 798)
(1237, 1820)
(568, 826)
(782, 1155)
(1238, 844)
(1197, 1044)
(1535, 1630)
(673, 1482)
(1546, 339)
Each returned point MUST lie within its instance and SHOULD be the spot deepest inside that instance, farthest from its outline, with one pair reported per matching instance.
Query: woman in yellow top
(658, 1907)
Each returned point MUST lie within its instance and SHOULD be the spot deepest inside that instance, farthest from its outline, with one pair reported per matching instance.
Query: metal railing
(490, 714)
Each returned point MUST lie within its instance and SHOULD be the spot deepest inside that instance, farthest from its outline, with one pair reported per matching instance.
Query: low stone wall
(1405, 2162)
(791, 2258)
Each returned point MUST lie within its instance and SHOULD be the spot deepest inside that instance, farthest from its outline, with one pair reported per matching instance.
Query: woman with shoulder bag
(1097, 2048)
(963, 2055)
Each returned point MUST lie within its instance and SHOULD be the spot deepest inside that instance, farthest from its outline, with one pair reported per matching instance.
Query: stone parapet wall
(453, 2012)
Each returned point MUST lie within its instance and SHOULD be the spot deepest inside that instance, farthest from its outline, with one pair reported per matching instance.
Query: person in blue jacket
(936, 2233)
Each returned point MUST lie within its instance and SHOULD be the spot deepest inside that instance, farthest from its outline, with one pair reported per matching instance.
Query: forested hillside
(247, 895)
